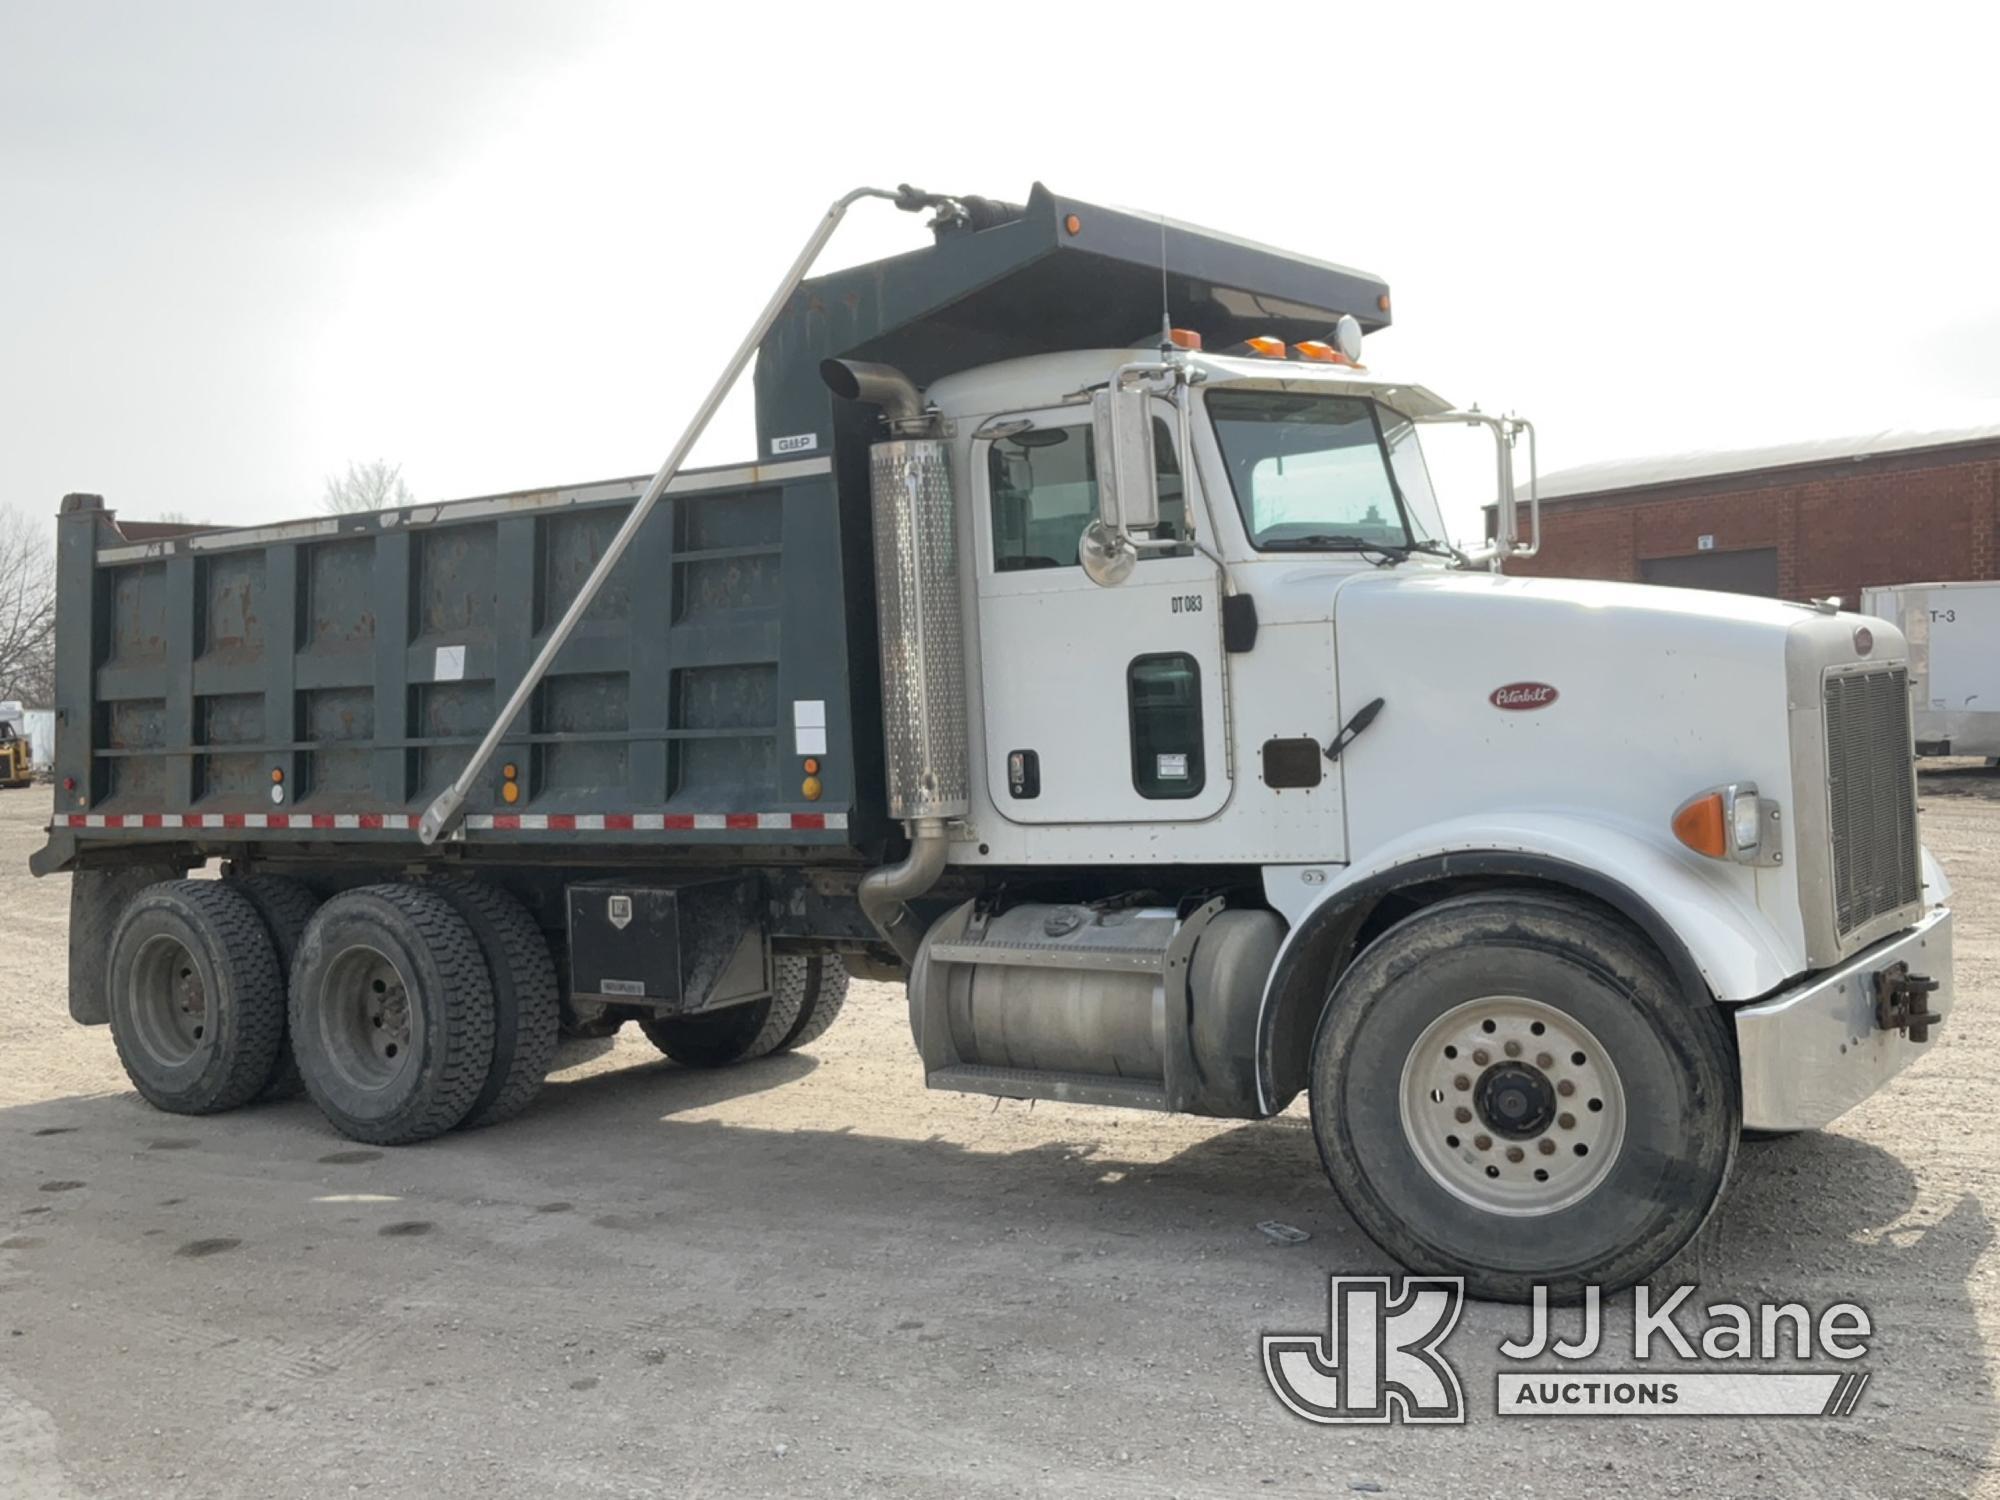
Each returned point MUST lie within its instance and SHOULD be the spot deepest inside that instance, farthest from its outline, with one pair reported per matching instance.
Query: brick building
(1806, 521)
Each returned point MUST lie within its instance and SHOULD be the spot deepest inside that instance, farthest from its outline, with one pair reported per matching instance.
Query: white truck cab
(1557, 876)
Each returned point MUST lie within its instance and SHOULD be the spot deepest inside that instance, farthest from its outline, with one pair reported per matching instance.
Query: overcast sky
(508, 244)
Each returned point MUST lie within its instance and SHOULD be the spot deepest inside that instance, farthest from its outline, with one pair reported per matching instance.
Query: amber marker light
(1073, 224)
(1320, 353)
(1702, 826)
(1267, 346)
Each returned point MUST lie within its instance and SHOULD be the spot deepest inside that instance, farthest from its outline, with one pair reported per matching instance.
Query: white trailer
(1954, 635)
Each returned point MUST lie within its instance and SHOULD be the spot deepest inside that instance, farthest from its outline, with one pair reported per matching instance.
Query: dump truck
(1083, 648)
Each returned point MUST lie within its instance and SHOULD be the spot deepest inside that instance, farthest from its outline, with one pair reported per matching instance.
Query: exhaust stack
(922, 641)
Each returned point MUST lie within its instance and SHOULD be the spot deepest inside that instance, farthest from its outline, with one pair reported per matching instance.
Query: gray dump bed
(323, 679)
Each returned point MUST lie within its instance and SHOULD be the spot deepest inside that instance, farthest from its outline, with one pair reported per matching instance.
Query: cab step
(1030, 1083)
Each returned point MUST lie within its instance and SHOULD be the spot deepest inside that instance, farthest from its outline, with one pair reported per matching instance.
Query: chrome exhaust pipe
(923, 654)
(884, 892)
(879, 385)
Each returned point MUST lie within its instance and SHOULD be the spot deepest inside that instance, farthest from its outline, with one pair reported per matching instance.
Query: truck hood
(1611, 701)
(1736, 617)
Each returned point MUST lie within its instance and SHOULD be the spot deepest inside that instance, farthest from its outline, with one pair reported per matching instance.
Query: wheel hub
(1512, 1105)
(367, 1021)
(1516, 1100)
(169, 1002)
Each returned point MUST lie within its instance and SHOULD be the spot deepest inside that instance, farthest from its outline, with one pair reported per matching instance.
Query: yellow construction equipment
(13, 757)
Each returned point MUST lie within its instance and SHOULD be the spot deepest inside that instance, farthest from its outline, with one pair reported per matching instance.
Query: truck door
(1102, 705)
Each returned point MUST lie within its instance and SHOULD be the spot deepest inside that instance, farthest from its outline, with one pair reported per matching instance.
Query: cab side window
(1043, 488)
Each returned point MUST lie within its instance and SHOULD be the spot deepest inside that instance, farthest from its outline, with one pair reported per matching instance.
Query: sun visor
(1056, 274)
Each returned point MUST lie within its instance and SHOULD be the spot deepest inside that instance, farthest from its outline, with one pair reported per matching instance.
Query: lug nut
(1481, 1057)
(1515, 1153)
(1543, 1060)
(1461, 1083)
(1462, 1115)
(1483, 1142)
(1566, 1120)
(1512, 1049)
(1546, 1146)
(1565, 1087)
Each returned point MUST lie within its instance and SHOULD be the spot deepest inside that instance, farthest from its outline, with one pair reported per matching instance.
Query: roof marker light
(1267, 346)
(1321, 353)
(1184, 338)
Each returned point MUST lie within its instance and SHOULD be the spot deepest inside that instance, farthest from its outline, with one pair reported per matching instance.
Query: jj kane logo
(1379, 1361)
(1381, 1358)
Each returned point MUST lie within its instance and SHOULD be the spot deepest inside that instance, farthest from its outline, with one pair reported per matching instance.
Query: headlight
(1746, 819)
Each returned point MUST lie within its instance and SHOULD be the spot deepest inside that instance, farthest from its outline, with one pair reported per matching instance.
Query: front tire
(1511, 1087)
(392, 1014)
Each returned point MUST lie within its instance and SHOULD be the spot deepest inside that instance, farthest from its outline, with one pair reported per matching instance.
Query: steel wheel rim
(368, 1020)
(172, 1016)
(1512, 1106)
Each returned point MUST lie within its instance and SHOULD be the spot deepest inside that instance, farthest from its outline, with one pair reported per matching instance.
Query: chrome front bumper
(1811, 1054)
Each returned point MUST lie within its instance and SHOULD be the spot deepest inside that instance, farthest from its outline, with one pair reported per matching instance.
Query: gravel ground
(810, 1276)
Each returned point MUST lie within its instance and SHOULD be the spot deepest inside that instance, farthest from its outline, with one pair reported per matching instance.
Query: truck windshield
(1313, 471)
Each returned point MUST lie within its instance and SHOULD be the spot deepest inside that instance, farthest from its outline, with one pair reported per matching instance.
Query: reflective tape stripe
(476, 822)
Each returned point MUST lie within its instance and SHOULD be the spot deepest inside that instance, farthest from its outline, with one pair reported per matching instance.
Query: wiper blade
(1320, 541)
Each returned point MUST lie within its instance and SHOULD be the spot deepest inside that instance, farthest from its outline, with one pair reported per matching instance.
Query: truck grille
(1872, 794)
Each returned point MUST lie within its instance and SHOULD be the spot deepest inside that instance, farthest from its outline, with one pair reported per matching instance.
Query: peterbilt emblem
(618, 909)
(1517, 697)
(1864, 639)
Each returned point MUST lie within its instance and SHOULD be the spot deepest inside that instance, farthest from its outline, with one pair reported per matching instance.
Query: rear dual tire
(197, 998)
(526, 1008)
(286, 906)
(807, 993)
(403, 1010)
(392, 1014)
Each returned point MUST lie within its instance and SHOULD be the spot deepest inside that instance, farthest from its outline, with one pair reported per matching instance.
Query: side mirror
(1506, 540)
(1128, 496)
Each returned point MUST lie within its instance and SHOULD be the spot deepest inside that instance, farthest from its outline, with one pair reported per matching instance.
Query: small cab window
(1043, 488)
(1164, 693)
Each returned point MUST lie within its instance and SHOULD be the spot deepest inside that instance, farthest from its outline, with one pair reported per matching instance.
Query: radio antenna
(1166, 313)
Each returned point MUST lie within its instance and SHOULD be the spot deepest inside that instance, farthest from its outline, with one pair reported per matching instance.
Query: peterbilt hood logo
(1516, 697)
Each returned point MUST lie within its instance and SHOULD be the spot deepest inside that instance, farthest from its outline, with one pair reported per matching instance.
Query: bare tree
(374, 485)
(27, 610)
(177, 518)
